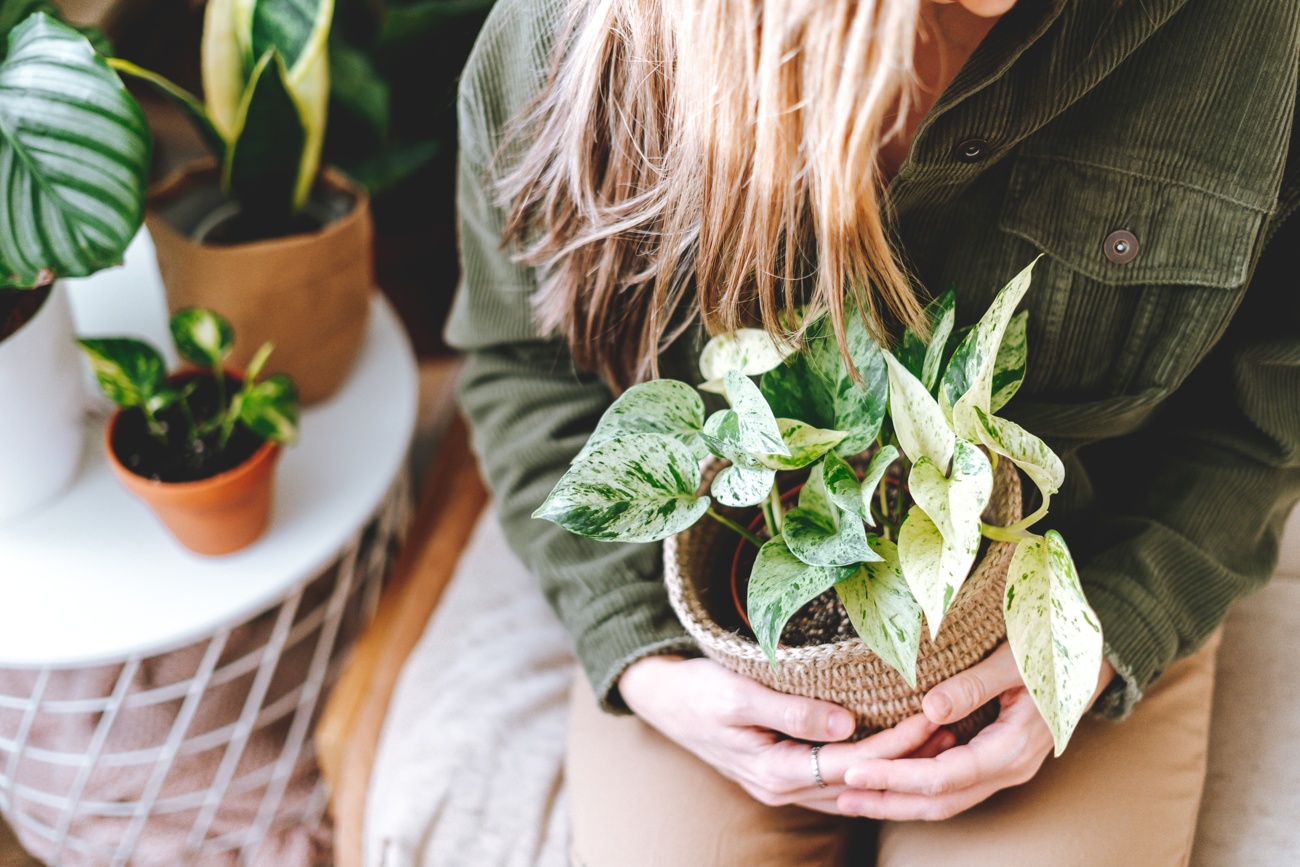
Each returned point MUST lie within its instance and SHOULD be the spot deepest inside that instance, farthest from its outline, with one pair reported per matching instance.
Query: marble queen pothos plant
(935, 424)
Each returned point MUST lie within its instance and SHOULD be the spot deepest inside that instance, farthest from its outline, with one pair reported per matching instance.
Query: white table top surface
(94, 577)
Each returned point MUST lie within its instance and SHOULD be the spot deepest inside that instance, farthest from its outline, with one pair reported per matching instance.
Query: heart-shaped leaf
(633, 488)
(815, 387)
(74, 157)
(1024, 449)
(820, 533)
(270, 409)
(741, 486)
(920, 426)
(759, 432)
(850, 493)
(933, 567)
(129, 372)
(1054, 633)
(779, 585)
(883, 611)
(202, 337)
(954, 503)
(752, 351)
(662, 406)
(805, 443)
(1009, 367)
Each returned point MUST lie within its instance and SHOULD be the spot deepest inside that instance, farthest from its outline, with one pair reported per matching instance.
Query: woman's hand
(742, 729)
(1006, 753)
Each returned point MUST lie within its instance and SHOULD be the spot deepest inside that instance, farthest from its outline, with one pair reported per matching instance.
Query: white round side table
(156, 706)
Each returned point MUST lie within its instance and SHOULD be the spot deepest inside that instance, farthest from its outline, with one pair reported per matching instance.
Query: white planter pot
(41, 428)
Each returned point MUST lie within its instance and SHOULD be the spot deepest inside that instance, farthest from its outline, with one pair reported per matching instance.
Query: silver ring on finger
(816, 767)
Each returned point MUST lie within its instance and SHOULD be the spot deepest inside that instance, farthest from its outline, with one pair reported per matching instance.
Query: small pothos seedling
(132, 374)
(897, 539)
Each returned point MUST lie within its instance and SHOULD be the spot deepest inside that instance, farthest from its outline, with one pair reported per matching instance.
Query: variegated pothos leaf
(779, 585)
(202, 337)
(759, 433)
(805, 443)
(1024, 449)
(850, 493)
(270, 409)
(923, 358)
(662, 406)
(1054, 634)
(954, 503)
(752, 351)
(934, 568)
(920, 426)
(1009, 368)
(633, 488)
(883, 611)
(129, 372)
(820, 533)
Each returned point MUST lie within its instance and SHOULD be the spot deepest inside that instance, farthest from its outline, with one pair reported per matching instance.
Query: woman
(664, 169)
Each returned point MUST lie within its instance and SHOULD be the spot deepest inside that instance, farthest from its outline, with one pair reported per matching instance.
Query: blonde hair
(729, 147)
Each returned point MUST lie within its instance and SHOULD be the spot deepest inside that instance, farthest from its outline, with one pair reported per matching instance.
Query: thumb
(962, 694)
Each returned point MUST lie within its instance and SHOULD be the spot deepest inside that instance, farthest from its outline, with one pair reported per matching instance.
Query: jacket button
(972, 150)
(1121, 247)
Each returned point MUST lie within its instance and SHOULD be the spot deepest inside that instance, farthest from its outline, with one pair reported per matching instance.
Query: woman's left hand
(1008, 752)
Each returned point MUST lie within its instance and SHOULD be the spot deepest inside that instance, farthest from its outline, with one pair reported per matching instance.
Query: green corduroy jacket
(1168, 381)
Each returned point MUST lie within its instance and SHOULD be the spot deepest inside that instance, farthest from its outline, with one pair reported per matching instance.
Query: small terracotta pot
(216, 515)
(309, 293)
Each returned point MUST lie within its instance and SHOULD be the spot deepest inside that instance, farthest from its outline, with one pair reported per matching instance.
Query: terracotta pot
(309, 293)
(216, 515)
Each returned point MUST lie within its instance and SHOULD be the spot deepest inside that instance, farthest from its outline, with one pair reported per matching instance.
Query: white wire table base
(201, 755)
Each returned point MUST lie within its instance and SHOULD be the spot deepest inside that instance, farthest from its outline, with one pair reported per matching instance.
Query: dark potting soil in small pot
(142, 453)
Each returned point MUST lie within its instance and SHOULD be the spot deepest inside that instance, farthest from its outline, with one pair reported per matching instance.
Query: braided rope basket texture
(697, 563)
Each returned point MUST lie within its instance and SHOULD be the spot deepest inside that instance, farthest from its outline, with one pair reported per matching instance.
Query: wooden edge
(347, 736)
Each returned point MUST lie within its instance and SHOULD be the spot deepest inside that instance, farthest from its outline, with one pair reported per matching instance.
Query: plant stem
(1002, 534)
(778, 516)
(732, 525)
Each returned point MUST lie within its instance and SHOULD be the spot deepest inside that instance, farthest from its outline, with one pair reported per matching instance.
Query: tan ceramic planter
(308, 293)
(217, 515)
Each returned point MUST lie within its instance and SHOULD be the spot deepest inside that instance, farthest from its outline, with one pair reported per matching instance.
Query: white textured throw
(469, 770)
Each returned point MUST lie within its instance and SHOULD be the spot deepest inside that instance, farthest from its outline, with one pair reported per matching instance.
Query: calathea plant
(195, 420)
(266, 82)
(896, 540)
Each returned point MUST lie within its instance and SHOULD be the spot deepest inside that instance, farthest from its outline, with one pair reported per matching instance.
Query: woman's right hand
(745, 730)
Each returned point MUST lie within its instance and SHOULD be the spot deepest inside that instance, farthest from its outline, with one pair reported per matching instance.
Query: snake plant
(266, 83)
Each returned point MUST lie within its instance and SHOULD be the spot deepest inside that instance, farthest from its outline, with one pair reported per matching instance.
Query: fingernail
(941, 705)
(839, 725)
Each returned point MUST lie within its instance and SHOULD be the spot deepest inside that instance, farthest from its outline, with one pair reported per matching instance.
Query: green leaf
(270, 409)
(74, 157)
(934, 569)
(261, 165)
(923, 359)
(968, 381)
(1054, 633)
(759, 433)
(258, 361)
(955, 503)
(843, 486)
(815, 387)
(779, 585)
(804, 442)
(883, 611)
(1009, 368)
(820, 533)
(382, 171)
(880, 463)
(408, 26)
(129, 372)
(359, 87)
(202, 337)
(752, 351)
(661, 406)
(1025, 450)
(920, 426)
(634, 488)
(188, 103)
(741, 486)
(287, 26)
(222, 53)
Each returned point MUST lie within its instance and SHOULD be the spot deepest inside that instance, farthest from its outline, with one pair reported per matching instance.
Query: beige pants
(1122, 794)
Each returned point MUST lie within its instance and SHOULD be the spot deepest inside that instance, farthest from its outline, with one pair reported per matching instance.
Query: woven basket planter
(697, 563)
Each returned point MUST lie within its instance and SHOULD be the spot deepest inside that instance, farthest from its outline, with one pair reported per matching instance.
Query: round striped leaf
(1054, 633)
(882, 609)
(662, 406)
(74, 157)
(633, 488)
(779, 585)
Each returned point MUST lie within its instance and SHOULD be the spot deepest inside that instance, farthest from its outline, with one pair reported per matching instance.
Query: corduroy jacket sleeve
(529, 411)
(1189, 511)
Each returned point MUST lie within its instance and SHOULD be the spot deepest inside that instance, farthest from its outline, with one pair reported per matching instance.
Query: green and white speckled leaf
(270, 409)
(202, 337)
(634, 488)
(883, 611)
(759, 433)
(662, 406)
(820, 533)
(955, 503)
(815, 387)
(129, 371)
(876, 470)
(806, 444)
(921, 428)
(968, 381)
(752, 351)
(934, 569)
(1054, 633)
(1009, 368)
(924, 359)
(779, 585)
(850, 493)
(741, 486)
(1024, 449)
